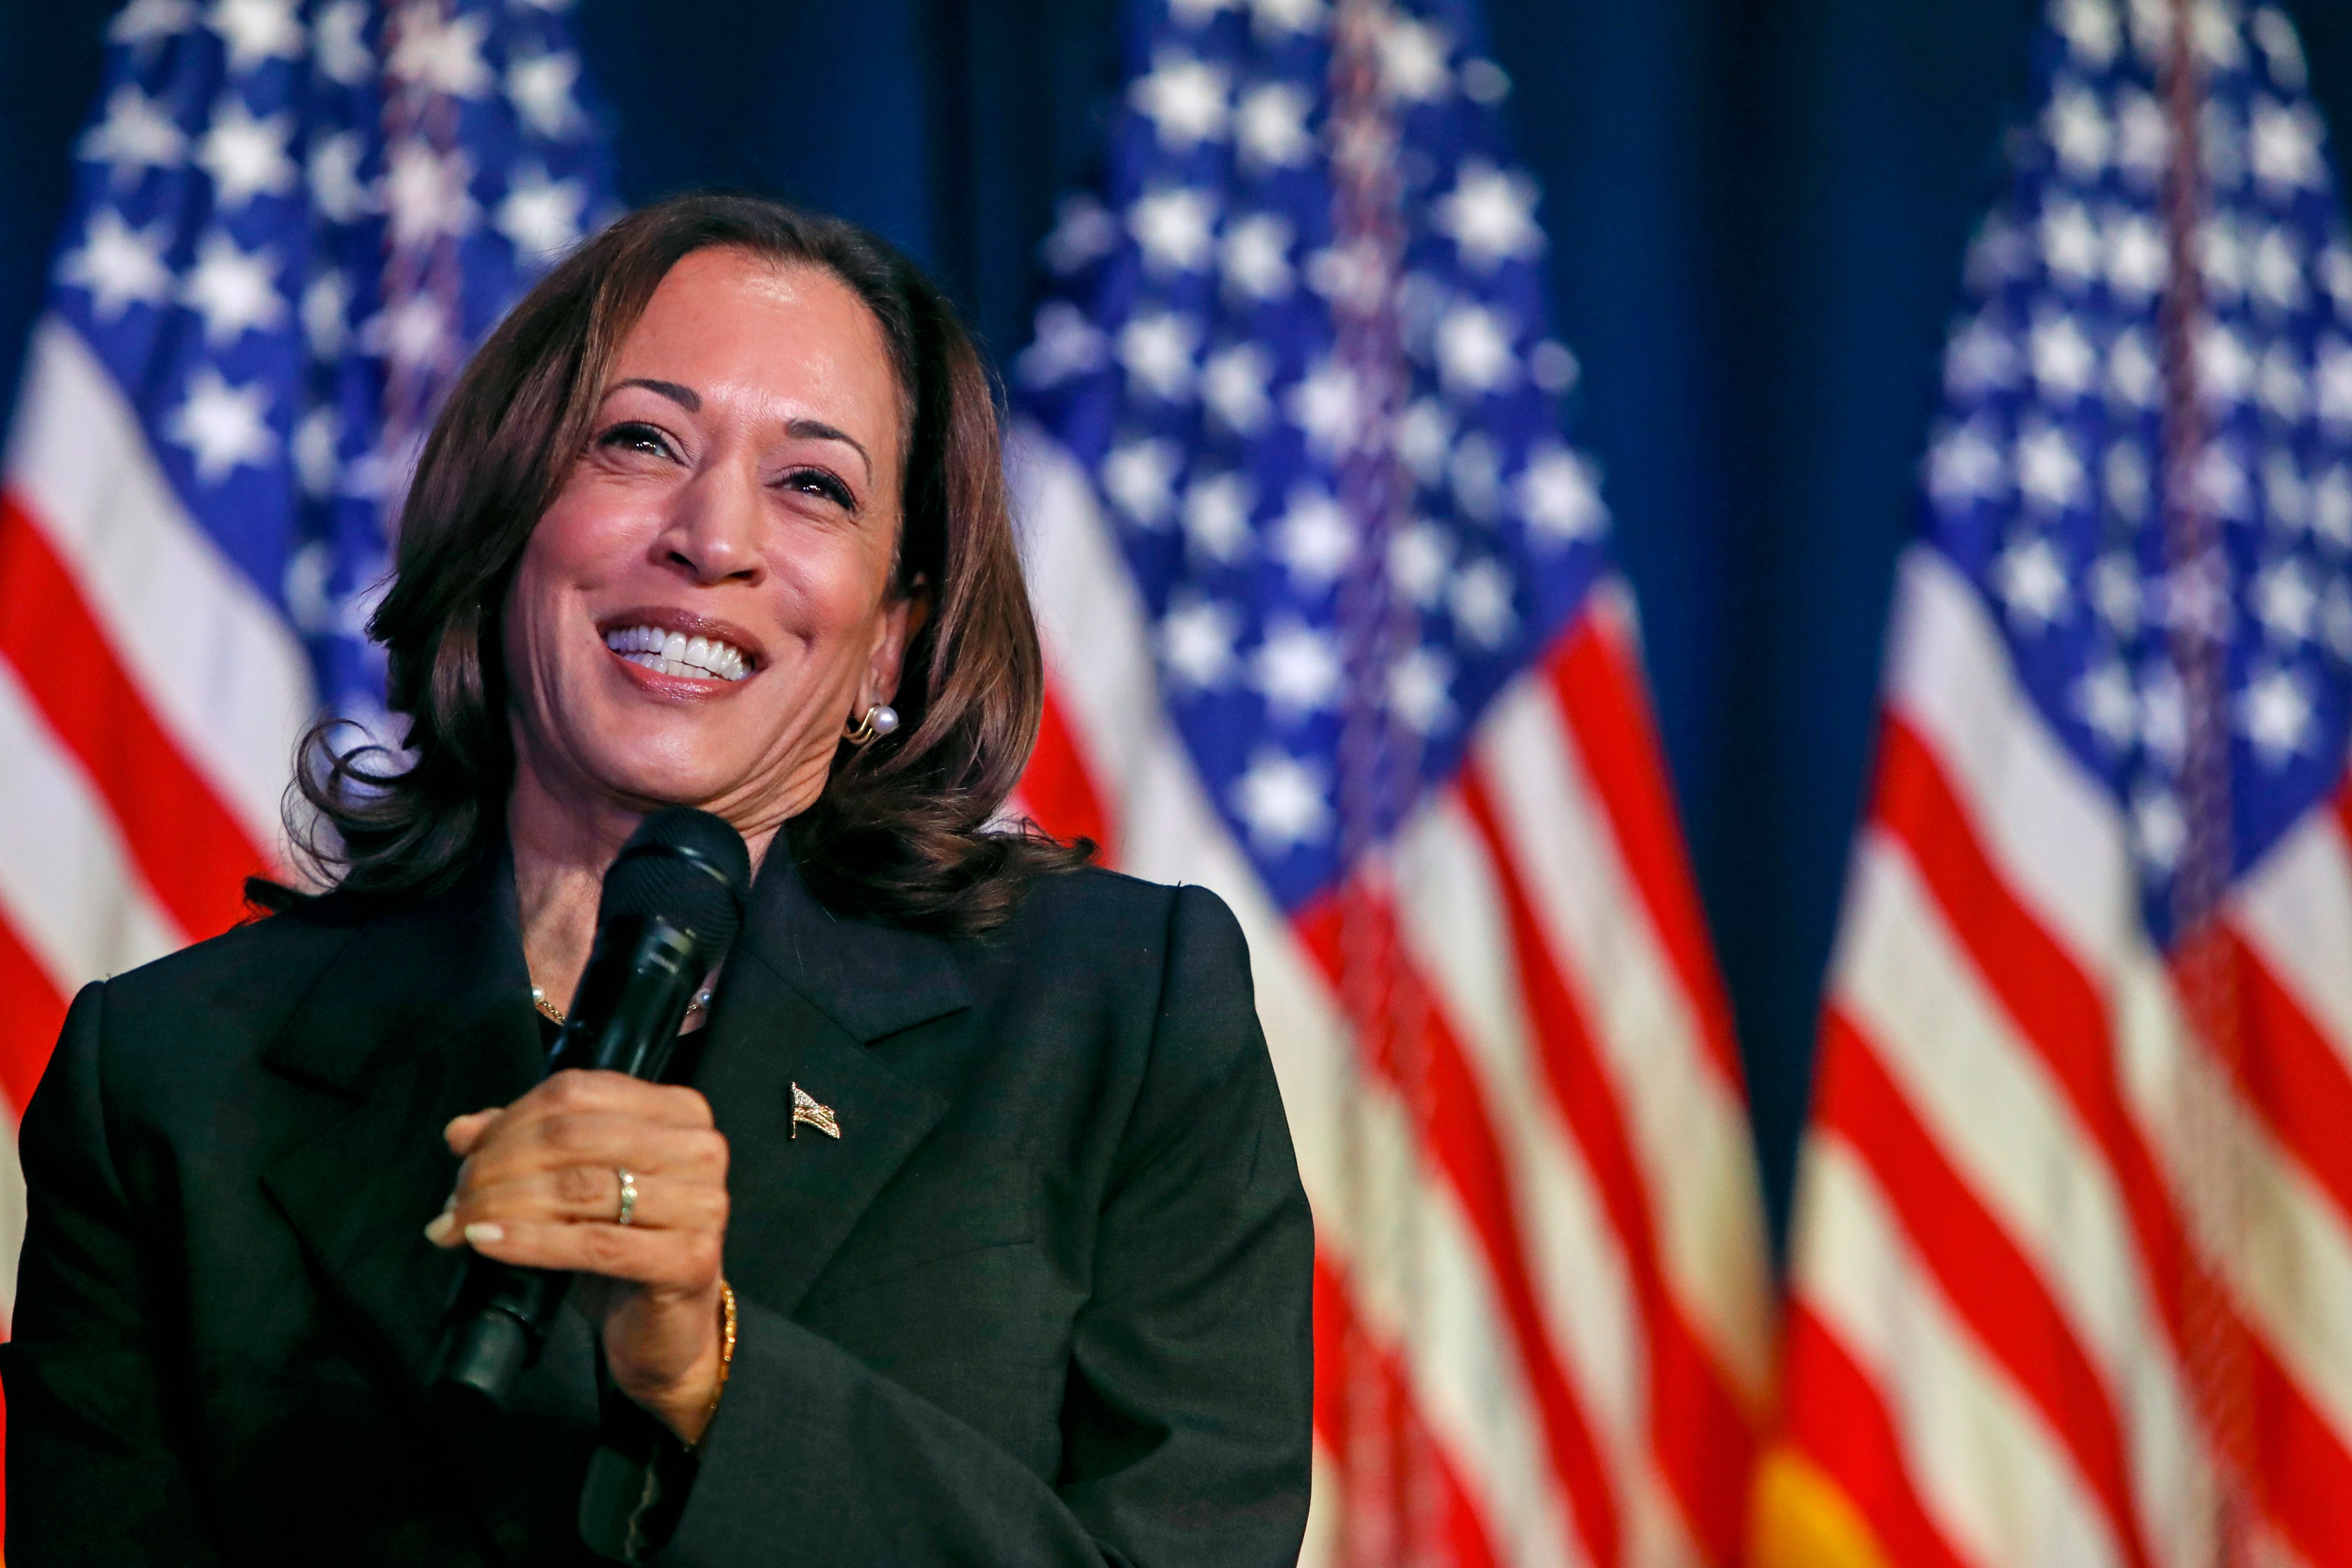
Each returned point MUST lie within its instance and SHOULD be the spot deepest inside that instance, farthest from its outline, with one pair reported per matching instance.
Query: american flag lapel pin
(806, 1109)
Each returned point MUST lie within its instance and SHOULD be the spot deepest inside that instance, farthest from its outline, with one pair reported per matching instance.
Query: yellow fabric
(1801, 1519)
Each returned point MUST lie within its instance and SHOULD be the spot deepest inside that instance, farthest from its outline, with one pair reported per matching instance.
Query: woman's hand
(540, 1187)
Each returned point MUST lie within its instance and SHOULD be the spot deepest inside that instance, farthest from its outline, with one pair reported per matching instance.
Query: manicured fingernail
(443, 1226)
(478, 1233)
(450, 1203)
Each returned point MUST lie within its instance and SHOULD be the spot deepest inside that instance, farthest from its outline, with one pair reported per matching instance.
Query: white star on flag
(1313, 539)
(1082, 231)
(2065, 363)
(427, 193)
(1328, 407)
(1270, 126)
(441, 55)
(1281, 800)
(224, 427)
(246, 157)
(2285, 601)
(2285, 146)
(1256, 257)
(1474, 351)
(1490, 214)
(234, 291)
(1233, 386)
(119, 265)
(1185, 99)
(2031, 578)
(1964, 467)
(256, 30)
(1141, 479)
(1297, 670)
(1412, 59)
(137, 134)
(336, 189)
(2070, 244)
(1559, 494)
(2138, 261)
(540, 88)
(1420, 690)
(1479, 599)
(1176, 227)
(1063, 343)
(1419, 556)
(542, 216)
(2275, 714)
(339, 42)
(1216, 516)
(1277, 17)
(1157, 349)
(326, 313)
(2049, 469)
(2077, 127)
(2108, 704)
(1196, 642)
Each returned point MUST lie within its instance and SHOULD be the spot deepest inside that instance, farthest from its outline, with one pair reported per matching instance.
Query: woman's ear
(903, 619)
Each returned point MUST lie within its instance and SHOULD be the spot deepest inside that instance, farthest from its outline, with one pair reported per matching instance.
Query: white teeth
(675, 654)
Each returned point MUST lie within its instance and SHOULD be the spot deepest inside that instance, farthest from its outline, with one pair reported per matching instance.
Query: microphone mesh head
(687, 868)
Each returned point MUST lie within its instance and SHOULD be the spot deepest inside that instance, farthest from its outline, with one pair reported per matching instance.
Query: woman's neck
(562, 843)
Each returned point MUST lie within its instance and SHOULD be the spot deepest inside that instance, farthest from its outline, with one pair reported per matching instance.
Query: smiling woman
(715, 518)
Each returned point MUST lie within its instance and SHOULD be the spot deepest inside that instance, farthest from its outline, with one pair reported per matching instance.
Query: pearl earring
(878, 720)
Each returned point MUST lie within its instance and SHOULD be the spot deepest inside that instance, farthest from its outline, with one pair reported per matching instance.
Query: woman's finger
(591, 1193)
(664, 1259)
(581, 1089)
(594, 1139)
(464, 1131)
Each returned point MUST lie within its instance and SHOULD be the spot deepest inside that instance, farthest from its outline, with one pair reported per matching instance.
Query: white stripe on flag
(67, 888)
(1687, 1124)
(1986, 1470)
(1435, 1301)
(220, 669)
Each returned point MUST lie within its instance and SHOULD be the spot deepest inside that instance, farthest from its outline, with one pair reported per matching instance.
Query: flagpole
(2198, 600)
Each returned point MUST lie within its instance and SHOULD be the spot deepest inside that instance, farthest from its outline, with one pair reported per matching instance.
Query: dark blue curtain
(1757, 211)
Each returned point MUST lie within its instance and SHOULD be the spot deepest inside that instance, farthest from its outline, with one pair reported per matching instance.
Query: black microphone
(672, 904)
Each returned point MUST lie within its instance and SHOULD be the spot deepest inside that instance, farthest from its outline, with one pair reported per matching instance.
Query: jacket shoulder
(240, 984)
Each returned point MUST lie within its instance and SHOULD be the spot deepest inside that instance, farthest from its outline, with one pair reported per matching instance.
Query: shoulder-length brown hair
(901, 830)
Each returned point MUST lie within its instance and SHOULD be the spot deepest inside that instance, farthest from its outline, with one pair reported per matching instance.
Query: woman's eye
(817, 482)
(636, 438)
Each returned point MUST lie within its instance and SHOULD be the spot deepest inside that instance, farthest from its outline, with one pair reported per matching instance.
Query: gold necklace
(547, 1009)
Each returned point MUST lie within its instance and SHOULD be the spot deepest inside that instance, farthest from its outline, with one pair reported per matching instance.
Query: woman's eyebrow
(818, 430)
(686, 397)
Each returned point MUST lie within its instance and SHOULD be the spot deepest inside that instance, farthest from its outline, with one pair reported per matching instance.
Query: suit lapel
(804, 997)
(424, 1015)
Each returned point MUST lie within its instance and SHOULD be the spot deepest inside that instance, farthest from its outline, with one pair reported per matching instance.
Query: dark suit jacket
(1045, 1301)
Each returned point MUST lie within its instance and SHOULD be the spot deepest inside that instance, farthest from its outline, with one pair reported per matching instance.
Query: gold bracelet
(726, 1354)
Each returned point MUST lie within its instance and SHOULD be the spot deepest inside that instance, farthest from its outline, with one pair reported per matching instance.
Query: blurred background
(1757, 216)
(2039, 1312)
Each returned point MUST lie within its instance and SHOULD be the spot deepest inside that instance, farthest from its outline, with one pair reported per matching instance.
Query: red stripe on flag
(1059, 791)
(1355, 1380)
(2290, 1071)
(2061, 1015)
(187, 845)
(1440, 1092)
(1609, 712)
(32, 1011)
(1842, 1425)
(1991, 1285)
(1703, 1443)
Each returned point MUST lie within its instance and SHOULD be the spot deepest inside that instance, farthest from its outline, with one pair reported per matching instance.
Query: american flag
(289, 224)
(1330, 628)
(2072, 1279)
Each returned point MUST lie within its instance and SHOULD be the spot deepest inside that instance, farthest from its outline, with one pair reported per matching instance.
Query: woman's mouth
(675, 654)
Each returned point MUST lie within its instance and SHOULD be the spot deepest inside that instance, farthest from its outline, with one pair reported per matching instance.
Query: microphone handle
(639, 982)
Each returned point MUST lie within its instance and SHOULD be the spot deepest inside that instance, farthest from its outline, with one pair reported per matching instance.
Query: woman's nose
(713, 529)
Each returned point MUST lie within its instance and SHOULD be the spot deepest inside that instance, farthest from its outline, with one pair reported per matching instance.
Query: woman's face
(709, 600)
